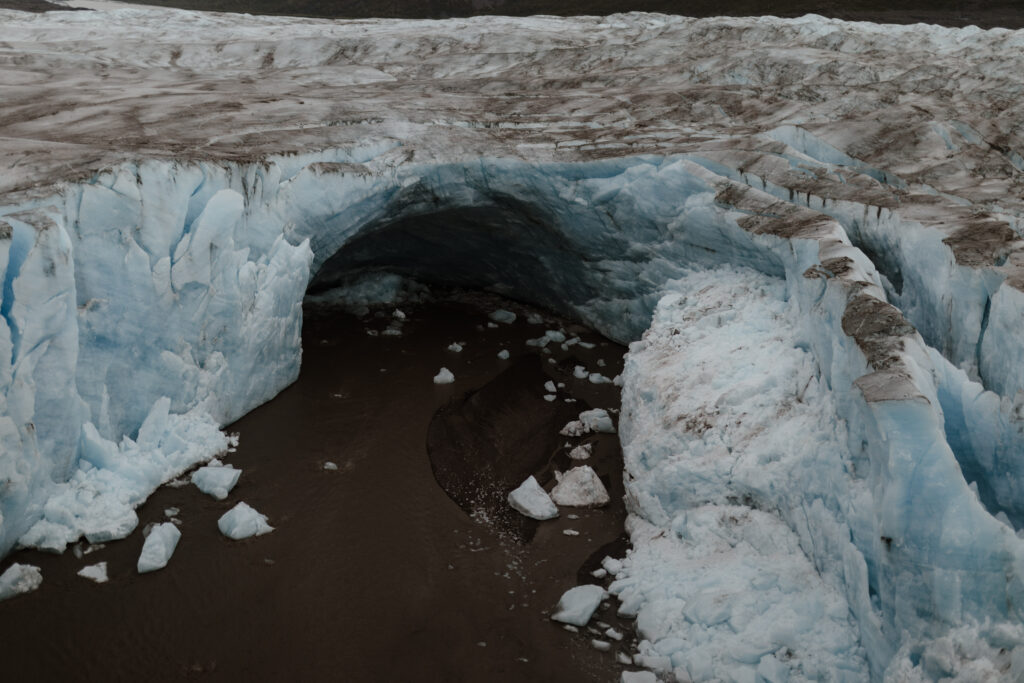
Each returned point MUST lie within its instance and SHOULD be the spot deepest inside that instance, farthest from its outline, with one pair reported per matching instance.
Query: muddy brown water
(373, 572)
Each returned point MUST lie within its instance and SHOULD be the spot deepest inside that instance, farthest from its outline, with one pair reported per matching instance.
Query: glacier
(810, 230)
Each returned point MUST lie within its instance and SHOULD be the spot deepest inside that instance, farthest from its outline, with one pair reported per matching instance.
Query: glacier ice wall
(866, 177)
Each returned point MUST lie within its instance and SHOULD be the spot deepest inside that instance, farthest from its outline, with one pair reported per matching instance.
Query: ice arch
(153, 303)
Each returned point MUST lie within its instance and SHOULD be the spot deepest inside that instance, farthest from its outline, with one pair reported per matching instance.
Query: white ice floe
(158, 547)
(503, 354)
(578, 604)
(503, 316)
(532, 500)
(242, 521)
(19, 578)
(598, 378)
(95, 572)
(579, 487)
(580, 372)
(455, 347)
(549, 397)
(444, 376)
(330, 466)
(216, 481)
(549, 386)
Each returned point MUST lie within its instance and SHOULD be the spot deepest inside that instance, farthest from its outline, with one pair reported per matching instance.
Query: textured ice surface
(158, 547)
(533, 501)
(579, 487)
(19, 578)
(578, 604)
(95, 572)
(242, 521)
(152, 281)
(216, 481)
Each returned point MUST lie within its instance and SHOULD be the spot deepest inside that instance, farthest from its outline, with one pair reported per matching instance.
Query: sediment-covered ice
(158, 547)
(242, 521)
(530, 499)
(833, 211)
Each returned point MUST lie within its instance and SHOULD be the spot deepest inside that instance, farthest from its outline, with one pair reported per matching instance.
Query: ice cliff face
(828, 213)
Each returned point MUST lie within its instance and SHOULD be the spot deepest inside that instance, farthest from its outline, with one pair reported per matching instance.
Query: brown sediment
(878, 328)
(372, 572)
(982, 242)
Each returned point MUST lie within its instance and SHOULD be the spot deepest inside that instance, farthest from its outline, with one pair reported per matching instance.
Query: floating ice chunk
(95, 572)
(242, 521)
(582, 452)
(599, 573)
(444, 376)
(491, 326)
(330, 466)
(618, 381)
(503, 316)
(455, 346)
(578, 604)
(597, 420)
(397, 314)
(570, 532)
(623, 658)
(503, 354)
(555, 336)
(549, 397)
(19, 578)
(216, 481)
(171, 512)
(392, 332)
(598, 378)
(601, 363)
(602, 645)
(535, 319)
(580, 372)
(549, 386)
(579, 487)
(532, 500)
(540, 342)
(158, 548)
(638, 676)
(613, 634)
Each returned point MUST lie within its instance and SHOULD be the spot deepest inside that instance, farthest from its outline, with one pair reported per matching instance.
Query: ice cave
(808, 231)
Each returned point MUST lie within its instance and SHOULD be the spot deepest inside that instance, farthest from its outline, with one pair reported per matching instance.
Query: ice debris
(242, 521)
(455, 347)
(158, 547)
(579, 487)
(503, 354)
(533, 501)
(649, 677)
(578, 604)
(216, 481)
(444, 376)
(19, 578)
(503, 316)
(596, 420)
(582, 452)
(95, 572)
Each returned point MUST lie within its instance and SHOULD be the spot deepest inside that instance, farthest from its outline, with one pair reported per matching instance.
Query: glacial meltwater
(394, 556)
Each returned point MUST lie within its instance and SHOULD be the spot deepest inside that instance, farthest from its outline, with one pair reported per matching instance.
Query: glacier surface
(812, 227)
